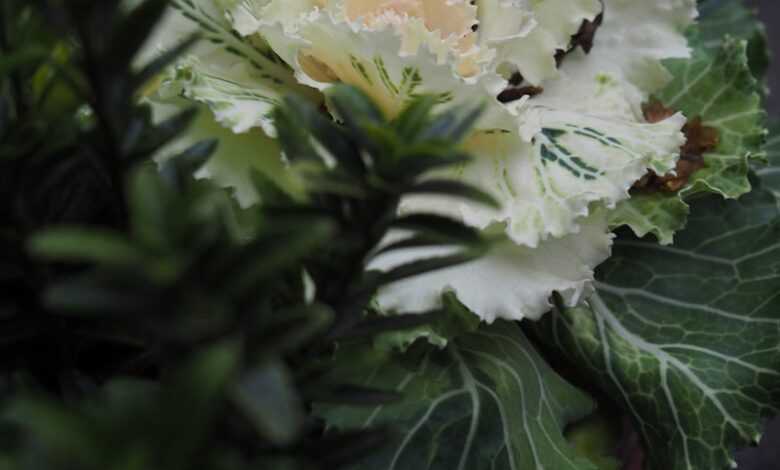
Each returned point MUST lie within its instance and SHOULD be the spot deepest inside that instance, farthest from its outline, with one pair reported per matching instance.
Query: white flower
(557, 161)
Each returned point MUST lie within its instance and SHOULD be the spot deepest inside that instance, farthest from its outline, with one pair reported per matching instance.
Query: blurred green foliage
(147, 321)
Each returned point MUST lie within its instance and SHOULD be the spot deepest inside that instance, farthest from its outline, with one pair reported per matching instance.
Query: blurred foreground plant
(147, 321)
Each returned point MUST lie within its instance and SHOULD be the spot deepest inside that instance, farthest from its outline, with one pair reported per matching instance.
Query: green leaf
(454, 125)
(420, 267)
(451, 321)
(194, 395)
(486, 401)
(454, 189)
(663, 215)
(597, 437)
(354, 106)
(718, 86)
(733, 18)
(299, 121)
(136, 29)
(267, 394)
(686, 338)
(279, 251)
(23, 58)
(726, 96)
(62, 431)
(445, 228)
(414, 117)
(84, 245)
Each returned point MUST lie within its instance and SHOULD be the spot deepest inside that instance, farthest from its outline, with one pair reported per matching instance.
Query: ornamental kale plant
(581, 108)
(386, 234)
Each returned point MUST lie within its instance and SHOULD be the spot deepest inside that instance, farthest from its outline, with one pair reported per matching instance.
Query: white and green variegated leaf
(487, 401)
(241, 80)
(527, 35)
(549, 176)
(687, 338)
(717, 86)
(564, 155)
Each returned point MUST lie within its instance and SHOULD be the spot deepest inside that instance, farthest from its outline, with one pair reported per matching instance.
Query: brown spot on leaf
(687, 165)
(516, 79)
(587, 33)
(583, 38)
(515, 93)
(560, 54)
(655, 111)
(700, 139)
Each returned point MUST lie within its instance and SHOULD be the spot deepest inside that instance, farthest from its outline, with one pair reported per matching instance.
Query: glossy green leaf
(687, 338)
(486, 401)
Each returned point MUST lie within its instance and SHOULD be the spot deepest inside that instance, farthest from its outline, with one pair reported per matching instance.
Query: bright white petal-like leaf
(240, 80)
(540, 30)
(236, 157)
(237, 98)
(511, 282)
(547, 179)
(391, 60)
(624, 67)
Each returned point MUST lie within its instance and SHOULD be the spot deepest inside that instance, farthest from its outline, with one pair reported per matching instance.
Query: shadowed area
(767, 455)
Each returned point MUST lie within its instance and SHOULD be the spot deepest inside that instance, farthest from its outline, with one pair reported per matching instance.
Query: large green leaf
(718, 86)
(486, 401)
(725, 95)
(687, 338)
(732, 17)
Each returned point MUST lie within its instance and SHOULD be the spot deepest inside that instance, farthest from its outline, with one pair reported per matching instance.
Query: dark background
(767, 455)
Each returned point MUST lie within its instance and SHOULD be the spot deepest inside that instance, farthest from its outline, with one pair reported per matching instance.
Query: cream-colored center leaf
(447, 17)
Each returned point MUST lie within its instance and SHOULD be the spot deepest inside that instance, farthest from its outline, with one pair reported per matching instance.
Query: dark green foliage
(146, 321)
(69, 133)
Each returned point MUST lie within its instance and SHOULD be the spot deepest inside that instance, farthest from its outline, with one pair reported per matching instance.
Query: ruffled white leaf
(511, 282)
(625, 65)
(392, 56)
(547, 180)
(237, 155)
(527, 34)
(503, 20)
(240, 80)
(238, 97)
